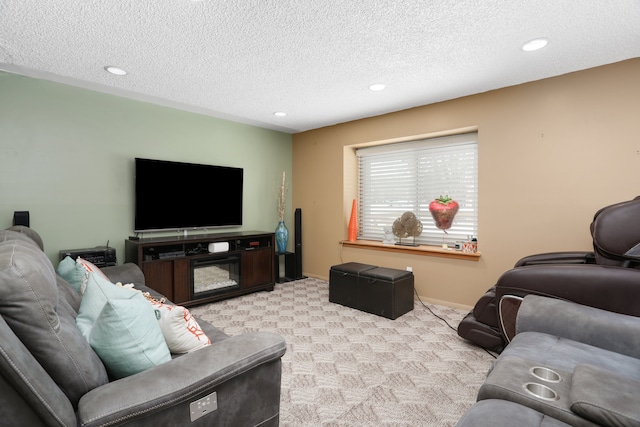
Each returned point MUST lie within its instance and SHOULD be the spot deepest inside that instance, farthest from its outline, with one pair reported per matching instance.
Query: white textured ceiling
(314, 59)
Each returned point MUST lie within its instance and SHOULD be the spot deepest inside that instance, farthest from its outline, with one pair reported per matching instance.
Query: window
(407, 176)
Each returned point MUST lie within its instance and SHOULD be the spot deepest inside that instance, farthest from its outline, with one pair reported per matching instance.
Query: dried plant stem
(282, 198)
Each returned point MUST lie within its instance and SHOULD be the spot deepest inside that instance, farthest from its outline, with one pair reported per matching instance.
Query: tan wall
(551, 153)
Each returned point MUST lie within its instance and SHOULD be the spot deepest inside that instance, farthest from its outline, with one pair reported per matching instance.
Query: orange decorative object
(353, 223)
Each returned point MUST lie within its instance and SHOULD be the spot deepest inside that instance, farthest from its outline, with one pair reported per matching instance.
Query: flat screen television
(180, 196)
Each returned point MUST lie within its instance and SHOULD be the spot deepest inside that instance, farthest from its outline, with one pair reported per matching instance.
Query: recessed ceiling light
(280, 113)
(115, 70)
(534, 44)
(377, 86)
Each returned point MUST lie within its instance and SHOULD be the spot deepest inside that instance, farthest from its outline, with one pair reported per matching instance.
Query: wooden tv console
(171, 264)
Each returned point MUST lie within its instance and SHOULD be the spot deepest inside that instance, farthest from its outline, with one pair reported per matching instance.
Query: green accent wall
(67, 156)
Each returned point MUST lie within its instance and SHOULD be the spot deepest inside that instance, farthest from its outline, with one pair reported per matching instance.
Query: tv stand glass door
(212, 275)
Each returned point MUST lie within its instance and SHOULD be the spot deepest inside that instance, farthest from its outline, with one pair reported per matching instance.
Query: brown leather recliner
(607, 278)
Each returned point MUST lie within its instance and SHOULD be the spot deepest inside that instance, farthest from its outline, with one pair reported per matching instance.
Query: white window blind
(402, 177)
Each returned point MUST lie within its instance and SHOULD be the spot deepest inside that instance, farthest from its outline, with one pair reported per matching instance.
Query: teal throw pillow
(69, 271)
(121, 327)
(77, 272)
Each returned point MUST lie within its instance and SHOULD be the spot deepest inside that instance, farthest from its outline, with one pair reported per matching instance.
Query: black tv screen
(179, 196)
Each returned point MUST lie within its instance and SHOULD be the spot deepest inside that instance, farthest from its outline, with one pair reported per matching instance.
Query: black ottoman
(386, 292)
(343, 283)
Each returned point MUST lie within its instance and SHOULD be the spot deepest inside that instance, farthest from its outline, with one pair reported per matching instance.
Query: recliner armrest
(125, 273)
(600, 328)
(609, 288)
(165, 392)
(604, 397)
(575, 257)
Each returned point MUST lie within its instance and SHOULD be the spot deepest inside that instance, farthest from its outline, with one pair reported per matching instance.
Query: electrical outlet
(409, 268)
(202, 407)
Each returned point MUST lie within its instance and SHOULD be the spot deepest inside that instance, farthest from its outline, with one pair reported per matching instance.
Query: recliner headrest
(616, 231)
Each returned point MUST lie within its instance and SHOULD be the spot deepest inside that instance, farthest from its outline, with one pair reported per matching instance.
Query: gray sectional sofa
(568, 364)
(51, 376)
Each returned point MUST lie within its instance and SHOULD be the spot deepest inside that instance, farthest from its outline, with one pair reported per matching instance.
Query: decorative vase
(282, 237)
(353, 223)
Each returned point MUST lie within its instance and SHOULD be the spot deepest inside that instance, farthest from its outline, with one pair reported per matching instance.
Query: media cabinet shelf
(169, 263)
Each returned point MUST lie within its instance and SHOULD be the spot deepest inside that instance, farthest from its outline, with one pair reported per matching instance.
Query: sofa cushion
(600, 328)
(68, 298)
(121, 327)
(604, 397)
(31, 304)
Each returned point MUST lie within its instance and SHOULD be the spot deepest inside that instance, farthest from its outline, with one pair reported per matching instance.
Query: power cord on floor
(445, 321)
(431, 311)
(428, 308)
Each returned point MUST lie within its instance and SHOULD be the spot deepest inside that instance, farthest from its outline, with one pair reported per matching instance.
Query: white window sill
(425, 250)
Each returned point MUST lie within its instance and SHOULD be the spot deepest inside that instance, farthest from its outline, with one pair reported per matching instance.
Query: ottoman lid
(390, 274)
(352, 267)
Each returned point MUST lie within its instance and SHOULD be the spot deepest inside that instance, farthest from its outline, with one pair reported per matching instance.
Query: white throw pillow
(181, 331)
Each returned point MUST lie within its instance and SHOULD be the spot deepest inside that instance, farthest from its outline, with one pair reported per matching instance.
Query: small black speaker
(21, 218)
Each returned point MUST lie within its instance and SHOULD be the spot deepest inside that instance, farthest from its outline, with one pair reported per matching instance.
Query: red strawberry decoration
(443, 210)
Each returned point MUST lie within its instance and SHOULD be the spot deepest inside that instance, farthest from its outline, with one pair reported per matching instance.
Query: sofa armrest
(609, 288)
(600, 328)
(575, 257)
(604, 397)
(125, 273)
(244, 371)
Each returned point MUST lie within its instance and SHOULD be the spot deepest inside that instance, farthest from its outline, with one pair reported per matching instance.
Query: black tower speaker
(296, 271)
(21, 218)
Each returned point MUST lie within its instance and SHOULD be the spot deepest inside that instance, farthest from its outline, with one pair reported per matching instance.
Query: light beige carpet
(344, 367)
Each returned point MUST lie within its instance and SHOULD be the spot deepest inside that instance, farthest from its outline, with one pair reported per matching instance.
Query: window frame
(465, 191)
